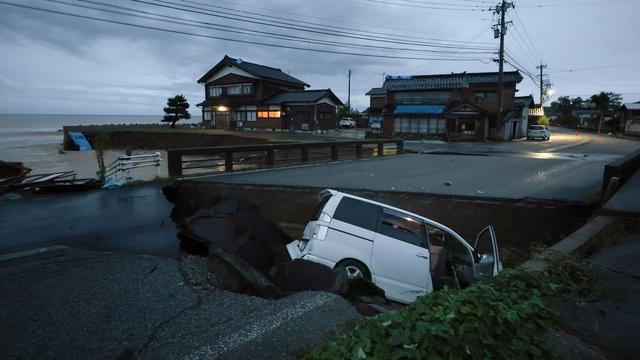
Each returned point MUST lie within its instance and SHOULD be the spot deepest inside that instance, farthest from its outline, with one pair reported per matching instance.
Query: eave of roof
(447, 81)
(257, 70)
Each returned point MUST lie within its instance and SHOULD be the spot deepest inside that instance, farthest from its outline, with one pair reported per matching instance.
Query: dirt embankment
(519, 224)
(160, 140)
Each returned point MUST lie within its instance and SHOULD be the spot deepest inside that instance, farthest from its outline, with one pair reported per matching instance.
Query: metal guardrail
(176, 161)
(130, 162)
(616, 173)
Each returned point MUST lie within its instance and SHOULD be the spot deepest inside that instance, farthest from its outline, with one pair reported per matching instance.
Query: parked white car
(347, 122)
(403, 253)
(538, 132)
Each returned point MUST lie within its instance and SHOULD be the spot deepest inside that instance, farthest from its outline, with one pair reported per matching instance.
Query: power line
(595, 67)
(325, 25)
(235, 30)
(286, 25)
(92, 18)
(582, 4)
(524, 28)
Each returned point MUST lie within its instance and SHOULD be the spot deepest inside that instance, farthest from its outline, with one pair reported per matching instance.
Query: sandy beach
(42, 152)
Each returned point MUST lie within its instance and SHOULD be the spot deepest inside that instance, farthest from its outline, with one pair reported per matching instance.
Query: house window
(269, 114)
(325, 116)
(419, 126)
(207, 116)
(215, 91)
(247, 89)
(234, 90)
(484, 96)
(245, 116)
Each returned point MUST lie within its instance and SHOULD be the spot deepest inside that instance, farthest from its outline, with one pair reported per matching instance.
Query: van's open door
(486, 249)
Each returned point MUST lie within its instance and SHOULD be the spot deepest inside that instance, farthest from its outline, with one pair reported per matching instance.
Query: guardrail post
(228, 160)
(334, 152)
(270, 157)
(380, 149)
(400, 147)
(304, 154)
(174, 159)
(358, 151)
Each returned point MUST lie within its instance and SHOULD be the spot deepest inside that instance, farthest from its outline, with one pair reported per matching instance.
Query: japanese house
(631, 118)
(242, 94)
(454, 106)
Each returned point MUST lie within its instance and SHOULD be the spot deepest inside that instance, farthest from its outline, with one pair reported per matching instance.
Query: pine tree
(176, 109)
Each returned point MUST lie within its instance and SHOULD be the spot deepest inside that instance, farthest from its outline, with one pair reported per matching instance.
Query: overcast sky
(51, 63)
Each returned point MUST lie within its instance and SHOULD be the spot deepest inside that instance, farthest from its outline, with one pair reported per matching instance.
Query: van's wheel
(354, 269)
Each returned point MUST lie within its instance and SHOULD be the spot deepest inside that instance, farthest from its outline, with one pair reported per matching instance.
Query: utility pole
(502, 26)
(542, 84)
(349, 94)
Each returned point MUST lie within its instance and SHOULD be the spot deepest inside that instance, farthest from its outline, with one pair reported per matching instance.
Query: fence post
(174, 159)
(334, 152)
(270, 157)
(304, 153)
(228, 160)
(358, 150)
(400, 147)
(380, 149)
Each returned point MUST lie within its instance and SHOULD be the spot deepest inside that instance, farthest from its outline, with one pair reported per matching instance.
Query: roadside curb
(581, 242)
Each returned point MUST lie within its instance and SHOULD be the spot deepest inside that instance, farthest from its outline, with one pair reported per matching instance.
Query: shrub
(504, 317)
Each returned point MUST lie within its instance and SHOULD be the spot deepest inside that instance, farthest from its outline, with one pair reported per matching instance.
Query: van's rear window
(358, 213)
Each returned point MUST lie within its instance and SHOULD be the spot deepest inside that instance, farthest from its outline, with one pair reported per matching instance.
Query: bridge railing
(222, 157)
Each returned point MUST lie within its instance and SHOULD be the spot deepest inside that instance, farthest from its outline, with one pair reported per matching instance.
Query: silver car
(538, 132)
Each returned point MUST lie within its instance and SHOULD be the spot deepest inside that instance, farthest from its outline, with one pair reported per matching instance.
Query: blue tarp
(80, 140)
(420, 109)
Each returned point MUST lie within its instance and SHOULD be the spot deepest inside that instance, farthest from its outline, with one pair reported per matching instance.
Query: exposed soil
(519, 224)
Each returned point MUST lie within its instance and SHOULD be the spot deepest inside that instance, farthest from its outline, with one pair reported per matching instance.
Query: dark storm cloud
(53, 63)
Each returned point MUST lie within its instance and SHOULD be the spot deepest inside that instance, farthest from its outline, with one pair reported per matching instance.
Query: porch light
(222, 108)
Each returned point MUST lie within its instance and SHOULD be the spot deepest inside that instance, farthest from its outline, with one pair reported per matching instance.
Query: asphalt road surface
(133, 219)
(78, 304)
(567, 168)
(563, 141)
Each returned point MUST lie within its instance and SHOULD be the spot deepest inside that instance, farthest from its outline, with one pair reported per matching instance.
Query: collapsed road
(248, 254)
(65, 293)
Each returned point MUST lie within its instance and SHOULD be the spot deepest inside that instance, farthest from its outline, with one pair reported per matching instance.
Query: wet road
(563, 141)
(568, 168)
(133, 219)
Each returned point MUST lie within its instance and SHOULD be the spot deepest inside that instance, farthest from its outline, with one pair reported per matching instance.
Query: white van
(403, 253)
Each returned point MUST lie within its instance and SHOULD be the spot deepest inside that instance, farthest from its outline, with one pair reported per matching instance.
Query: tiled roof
(258, 70)
(301, 96)
(447, 81)
(377, 91)
(632, 106)
(523, 100)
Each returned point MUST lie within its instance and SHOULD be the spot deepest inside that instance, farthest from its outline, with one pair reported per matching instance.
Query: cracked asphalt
(79, 304)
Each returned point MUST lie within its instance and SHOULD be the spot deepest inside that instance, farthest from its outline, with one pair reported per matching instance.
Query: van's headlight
(320, 232)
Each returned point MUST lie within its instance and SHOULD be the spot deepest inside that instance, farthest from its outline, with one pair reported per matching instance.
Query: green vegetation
(544, 120)
(176, 109)
(505, 317)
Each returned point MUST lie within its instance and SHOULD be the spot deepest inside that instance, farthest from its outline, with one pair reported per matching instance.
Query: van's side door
(400, 258)
(486, 248)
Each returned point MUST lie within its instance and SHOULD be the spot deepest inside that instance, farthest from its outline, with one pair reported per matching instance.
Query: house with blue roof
(456, 106)
(241, 94)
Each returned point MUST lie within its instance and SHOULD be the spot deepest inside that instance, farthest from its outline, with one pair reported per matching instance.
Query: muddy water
(519, 224)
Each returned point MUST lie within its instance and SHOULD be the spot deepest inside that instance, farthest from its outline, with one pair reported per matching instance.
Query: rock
(304, 275)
